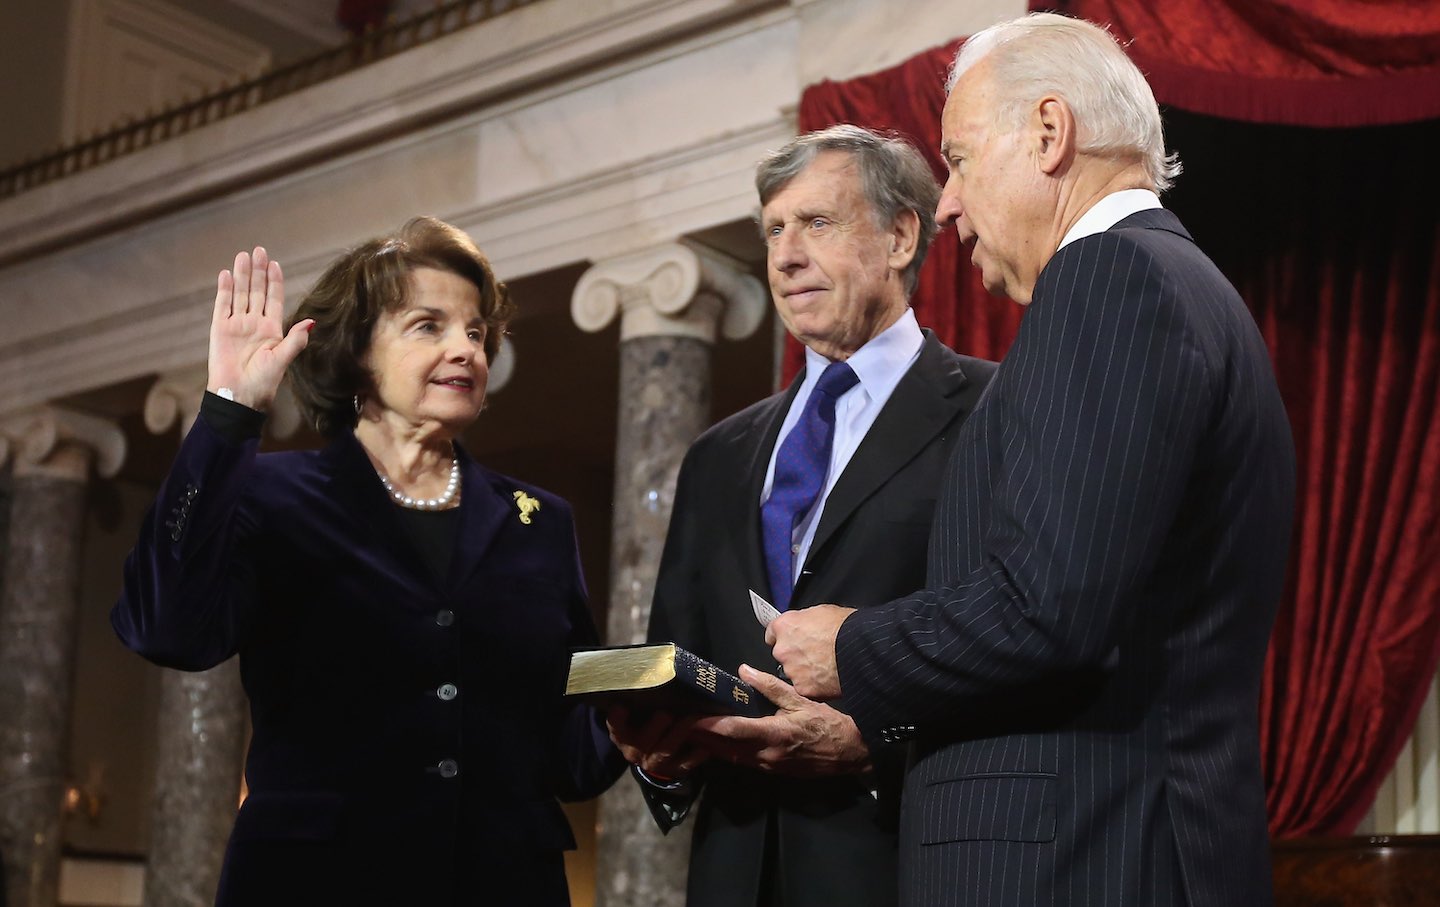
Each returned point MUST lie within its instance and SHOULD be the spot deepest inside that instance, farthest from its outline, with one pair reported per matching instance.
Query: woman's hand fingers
(240, 276)
(259, 281)
(294, 342)
(274, 305)
(249, 350)
(224, 296)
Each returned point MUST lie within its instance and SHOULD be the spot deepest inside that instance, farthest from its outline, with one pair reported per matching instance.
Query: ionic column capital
(175, 396)
(676, 289)
(502, 368)
(52, 441)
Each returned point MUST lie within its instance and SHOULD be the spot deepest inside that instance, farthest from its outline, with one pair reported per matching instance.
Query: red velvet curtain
(1333, 237)
(1297, 62)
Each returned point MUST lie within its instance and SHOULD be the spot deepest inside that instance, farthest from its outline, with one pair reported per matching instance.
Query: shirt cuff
(678, 784)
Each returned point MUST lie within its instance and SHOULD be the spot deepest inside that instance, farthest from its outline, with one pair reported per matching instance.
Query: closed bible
(661, 677)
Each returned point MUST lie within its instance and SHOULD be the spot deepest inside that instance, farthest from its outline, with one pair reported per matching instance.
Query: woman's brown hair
(357, 289)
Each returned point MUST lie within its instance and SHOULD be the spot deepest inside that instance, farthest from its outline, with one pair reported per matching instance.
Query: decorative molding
(510, 61)
(676, 289)
(502, 367)
(38, 439)
(673, 100)
(315, 21)
(129, 56)
(175, 396)
(133, 320)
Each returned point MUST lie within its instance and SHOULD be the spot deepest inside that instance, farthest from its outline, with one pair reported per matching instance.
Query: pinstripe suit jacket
(1081, 675)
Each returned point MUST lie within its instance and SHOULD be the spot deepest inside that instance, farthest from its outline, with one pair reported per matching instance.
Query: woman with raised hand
(403, 615)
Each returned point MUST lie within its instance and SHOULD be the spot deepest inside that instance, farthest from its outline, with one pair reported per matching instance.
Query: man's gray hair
(893, 175)
(1048, 54)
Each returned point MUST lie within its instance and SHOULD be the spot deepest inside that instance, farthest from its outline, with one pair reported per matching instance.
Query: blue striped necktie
(800, 468)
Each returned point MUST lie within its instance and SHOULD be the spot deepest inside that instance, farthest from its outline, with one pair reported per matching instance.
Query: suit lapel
(482, 511)
(922, 404)
(358, 490)
(484, 505)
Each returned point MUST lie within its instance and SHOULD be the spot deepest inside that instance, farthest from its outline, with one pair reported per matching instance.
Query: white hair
(1048, 54)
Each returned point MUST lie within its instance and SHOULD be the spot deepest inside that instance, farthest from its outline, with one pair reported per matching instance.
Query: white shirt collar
(1109, 211)
(881, 362)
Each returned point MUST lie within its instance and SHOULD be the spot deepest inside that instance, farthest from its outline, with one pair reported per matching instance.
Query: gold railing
(178, 119)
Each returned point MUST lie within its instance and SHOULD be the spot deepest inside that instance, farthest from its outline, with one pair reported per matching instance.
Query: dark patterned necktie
(800, 467)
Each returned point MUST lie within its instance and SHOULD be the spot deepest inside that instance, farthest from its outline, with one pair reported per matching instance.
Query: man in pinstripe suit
(1079, 680)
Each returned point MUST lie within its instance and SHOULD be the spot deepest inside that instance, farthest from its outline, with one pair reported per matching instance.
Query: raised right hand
(249, 350)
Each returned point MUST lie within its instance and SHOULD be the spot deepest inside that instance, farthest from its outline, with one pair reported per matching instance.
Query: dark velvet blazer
(410, 739)
(1082, 673)
(835, 846)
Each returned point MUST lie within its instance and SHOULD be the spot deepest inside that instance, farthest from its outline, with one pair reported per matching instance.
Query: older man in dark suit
(1080, 676)
(827, 487)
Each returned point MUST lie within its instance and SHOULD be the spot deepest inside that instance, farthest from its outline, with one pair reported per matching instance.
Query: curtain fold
(1345, 286)
(1333, 238)
(1328, 63)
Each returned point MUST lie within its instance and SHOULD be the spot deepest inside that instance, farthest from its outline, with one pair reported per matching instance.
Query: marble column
(672, 301)
(201, 724)
(6, 495)
(52, 452)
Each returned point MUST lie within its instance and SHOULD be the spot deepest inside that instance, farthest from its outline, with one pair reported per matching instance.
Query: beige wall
(32, 68)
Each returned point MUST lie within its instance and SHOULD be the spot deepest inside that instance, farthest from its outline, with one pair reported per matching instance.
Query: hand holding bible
(803, 737)
(803, 642)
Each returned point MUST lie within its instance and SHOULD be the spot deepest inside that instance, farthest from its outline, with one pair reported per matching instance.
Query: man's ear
(904, 240)
(1054, 124)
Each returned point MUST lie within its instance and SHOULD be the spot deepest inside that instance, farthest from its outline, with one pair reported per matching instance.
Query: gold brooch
(527, 505)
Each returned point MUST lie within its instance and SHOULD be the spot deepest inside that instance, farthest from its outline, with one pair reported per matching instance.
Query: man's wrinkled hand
(804, 737)
(803, 642)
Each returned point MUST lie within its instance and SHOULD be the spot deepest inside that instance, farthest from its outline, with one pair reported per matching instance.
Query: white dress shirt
(879, 364)
(1109, 211)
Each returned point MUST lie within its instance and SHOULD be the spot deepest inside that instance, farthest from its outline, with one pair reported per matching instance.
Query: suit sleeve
(1104, 396)
(675, 609)
(189, 584)
(590, 762)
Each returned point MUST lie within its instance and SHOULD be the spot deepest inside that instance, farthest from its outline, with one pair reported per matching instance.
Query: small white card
(764, 611)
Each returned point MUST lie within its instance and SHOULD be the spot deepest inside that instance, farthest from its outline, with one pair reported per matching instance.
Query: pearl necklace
(439, 503)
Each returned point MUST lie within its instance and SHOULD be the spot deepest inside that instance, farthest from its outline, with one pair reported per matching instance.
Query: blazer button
(447, 691)
(448, 768)
(444, 617)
